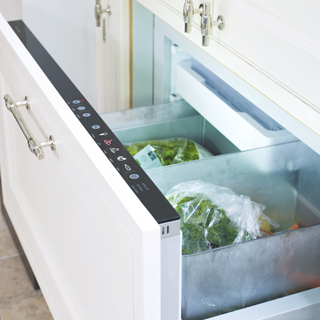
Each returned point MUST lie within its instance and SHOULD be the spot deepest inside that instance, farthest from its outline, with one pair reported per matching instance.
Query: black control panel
(125, 164)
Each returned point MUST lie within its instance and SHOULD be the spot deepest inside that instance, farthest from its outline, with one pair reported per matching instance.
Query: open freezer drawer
(93, 206)
(165, 121)
(239, 276)
(234, 277)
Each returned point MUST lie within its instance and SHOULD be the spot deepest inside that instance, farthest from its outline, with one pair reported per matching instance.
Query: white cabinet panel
(267, 44)
(270, 36)
(12, 11)
(92, 244)
(67, 31)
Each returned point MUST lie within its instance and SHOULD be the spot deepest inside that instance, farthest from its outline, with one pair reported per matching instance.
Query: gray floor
(18, 299)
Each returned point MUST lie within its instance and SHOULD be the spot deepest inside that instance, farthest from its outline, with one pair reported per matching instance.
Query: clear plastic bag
(213, 216)
(171, 151)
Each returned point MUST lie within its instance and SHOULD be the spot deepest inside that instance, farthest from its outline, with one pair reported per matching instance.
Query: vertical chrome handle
(188, 13)
(34, 146)
(98, 11)
(205, 22)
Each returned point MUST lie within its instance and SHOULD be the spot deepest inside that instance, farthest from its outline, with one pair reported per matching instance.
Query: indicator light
(107, 142)
(82, 100)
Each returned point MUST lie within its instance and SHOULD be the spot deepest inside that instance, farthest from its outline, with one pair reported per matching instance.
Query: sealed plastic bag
(170, 151)
(213, 216)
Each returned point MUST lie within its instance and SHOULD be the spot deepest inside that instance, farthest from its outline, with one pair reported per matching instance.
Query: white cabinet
(95, 248)
(91, 242)
(69, 33)
(272, 45)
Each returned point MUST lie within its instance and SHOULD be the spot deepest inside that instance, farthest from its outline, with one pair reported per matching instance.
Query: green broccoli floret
(219, 230)
(193, 239)
(168, 151)
(189, 153)
(203, 224)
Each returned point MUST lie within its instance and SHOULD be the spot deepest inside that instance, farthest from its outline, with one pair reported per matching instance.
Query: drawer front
(265, 44)
(85, 233)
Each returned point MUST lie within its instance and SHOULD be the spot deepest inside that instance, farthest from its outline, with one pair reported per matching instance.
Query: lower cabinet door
(93, 246)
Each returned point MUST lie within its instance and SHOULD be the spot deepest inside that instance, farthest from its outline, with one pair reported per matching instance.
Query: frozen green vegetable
(171, 151)
(203, 224)
(213, 216)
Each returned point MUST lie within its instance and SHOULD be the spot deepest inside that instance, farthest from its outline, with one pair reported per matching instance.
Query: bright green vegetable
(170, 151)
(219, 232)
(204, 225)
(214, 216)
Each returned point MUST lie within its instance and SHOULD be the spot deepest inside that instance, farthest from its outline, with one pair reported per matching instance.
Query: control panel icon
(121, 158)
(103, 134)
(76, 101)
(81, 108)
(107, 142)
(114, 150)
(134, 176)
(95, 127)
(86, 115)
(128, 168)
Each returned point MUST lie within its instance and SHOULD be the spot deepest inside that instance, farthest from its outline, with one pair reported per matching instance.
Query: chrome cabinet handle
(98, 11)
(34, 146)
(206, 22)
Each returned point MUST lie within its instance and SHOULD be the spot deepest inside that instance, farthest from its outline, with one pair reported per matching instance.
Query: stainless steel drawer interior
(285, 178)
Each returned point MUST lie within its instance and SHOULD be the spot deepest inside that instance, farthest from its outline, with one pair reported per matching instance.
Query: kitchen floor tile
(14, 280)
(7, 246)
(32, 307)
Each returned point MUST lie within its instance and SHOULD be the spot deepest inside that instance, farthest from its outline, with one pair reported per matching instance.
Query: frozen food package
(167, 151)
(214, 216)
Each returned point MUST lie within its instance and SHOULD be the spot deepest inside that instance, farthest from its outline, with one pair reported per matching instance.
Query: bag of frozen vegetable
(166, 152)
(213, 216)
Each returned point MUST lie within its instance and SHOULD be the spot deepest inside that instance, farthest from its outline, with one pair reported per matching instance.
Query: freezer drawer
(171, 120)
(220, 135)
(256, 271)
(253, 272)
(237, 276)
(75, 199)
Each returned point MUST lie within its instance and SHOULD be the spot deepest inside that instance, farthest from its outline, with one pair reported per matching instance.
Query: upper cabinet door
(274, 45)
(93, 246)
(67, 31)
(95, 56)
